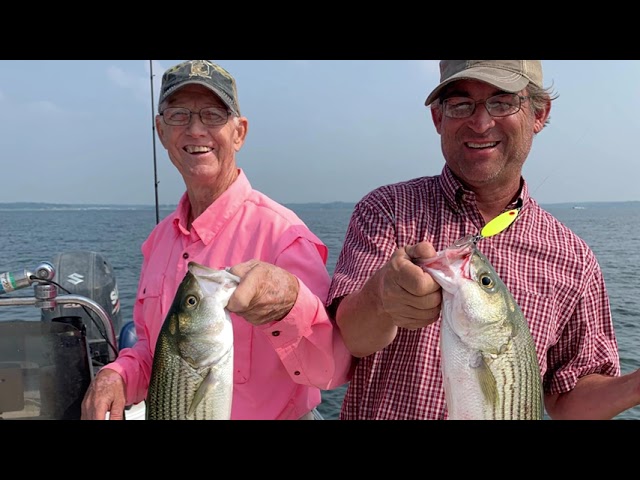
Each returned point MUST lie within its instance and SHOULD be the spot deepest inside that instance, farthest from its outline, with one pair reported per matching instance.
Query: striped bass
(489, 365)
(192, 372)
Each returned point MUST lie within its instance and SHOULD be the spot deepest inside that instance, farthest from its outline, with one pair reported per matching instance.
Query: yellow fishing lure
(500, 223)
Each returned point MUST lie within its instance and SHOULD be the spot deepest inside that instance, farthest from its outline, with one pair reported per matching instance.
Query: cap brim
(504, 80)
(220, 95)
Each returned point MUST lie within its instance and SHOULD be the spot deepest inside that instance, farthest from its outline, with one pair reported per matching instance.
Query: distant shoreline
(95, 206)
(328, 205)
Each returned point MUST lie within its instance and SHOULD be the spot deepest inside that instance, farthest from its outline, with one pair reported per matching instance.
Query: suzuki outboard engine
(88, 274)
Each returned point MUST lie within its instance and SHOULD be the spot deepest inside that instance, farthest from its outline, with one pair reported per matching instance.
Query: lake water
(32, 235)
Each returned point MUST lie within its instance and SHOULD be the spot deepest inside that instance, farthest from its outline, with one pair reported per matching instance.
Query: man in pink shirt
(286, 348)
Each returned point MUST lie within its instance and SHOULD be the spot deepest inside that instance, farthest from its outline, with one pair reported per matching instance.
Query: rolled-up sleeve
(307, 340)
(587, 343)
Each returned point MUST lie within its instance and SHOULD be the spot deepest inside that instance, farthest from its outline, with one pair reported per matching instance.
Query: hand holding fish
(266, 293)
(411, 298)
(398, 295)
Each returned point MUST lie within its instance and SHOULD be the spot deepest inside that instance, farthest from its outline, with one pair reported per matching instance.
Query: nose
(196, 127)
(481, 120)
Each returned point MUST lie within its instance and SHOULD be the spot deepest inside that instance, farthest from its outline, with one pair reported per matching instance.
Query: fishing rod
(153, 134)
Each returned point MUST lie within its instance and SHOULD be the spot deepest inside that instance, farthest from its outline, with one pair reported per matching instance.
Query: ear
(436, 116)
(160, 125)
(240, 133)
(541, 117)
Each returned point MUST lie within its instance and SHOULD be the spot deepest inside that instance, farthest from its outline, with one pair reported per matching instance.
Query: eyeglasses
(501, 105)
(210, 116)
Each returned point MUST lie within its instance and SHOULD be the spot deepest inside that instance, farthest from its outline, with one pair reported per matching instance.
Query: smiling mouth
(197, 149)
(480, 145)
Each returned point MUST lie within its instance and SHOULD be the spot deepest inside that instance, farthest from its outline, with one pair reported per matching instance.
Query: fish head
(200, 325)
(476, 304)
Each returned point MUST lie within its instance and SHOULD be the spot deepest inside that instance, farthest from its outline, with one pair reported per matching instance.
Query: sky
(81, 132)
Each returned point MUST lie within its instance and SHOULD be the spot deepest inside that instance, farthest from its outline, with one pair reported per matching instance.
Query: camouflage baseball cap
(508, 75)
(201, 72)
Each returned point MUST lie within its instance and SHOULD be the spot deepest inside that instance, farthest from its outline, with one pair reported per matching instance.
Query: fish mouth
(444, 259)
(449, 264)
(210, 279)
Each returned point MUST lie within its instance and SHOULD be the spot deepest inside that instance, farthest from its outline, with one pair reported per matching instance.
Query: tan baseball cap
(508, 75)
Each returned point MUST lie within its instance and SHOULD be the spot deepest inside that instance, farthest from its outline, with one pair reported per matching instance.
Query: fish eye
(191, 301)
(486, 280)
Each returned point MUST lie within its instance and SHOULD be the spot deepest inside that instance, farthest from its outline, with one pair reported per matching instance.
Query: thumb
(420, 250)
(241, 269)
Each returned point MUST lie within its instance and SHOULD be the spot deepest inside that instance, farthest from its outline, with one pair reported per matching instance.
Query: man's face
(482, 150)
(203, 154)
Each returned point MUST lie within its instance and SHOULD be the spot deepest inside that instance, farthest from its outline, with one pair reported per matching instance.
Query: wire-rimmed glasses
(501, 105)
(179, 116)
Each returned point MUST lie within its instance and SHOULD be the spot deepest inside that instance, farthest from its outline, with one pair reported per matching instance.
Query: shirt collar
(211, 221)
(456, 194)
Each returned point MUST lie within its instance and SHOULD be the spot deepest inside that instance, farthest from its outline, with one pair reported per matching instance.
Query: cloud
(138, 83)
(135, 83)
(1, 96)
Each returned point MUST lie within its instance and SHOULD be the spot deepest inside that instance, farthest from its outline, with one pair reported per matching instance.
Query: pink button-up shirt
(280, 367)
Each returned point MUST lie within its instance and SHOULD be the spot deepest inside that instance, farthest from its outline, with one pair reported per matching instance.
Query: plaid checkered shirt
(551, 272)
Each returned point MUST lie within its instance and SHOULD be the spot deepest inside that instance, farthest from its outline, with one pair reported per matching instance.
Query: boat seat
(128, 336)
(44, 370)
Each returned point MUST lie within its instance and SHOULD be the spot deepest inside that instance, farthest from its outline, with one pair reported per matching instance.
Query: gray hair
(538, 98)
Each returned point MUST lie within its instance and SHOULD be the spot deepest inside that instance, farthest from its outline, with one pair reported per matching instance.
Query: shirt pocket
(540, 312)
(242, 344)
(149, 303)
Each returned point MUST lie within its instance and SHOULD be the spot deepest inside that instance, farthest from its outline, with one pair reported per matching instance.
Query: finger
(406, 304)
(92, 411)
(242, 269)
(420, 250)
(116, 412)
(244, 293)
(100, 411)
(413, 319)
(411, 281)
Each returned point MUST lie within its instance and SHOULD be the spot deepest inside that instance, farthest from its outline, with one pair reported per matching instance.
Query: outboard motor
(88, 274)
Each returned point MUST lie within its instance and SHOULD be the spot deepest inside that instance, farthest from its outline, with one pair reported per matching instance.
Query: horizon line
(173, 205)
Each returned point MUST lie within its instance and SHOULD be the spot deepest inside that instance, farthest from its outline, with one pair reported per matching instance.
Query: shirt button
(185, 255)
(296, 372)
(276, 333)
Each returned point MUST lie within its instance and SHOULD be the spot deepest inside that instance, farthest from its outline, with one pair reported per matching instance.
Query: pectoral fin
(486, 380)
(208, 384)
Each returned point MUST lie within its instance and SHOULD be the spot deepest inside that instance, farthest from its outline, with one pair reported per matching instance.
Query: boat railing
(46, 298)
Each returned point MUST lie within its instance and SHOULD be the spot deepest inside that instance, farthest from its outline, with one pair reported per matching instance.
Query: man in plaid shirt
(487, 113)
